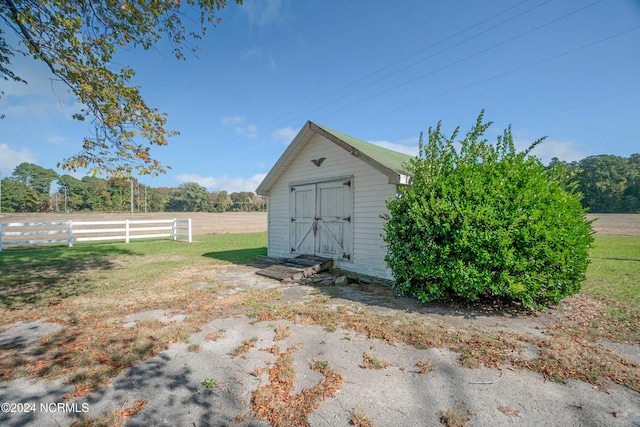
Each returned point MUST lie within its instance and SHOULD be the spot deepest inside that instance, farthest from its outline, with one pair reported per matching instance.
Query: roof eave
(394, 176)
(275, 172)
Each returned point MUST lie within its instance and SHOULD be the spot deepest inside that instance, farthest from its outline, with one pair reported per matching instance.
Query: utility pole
(66, 209)
(131, 199)
(0, 193)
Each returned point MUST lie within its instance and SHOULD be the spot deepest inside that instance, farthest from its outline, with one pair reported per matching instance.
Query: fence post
(70, 233)
(173, 229)
(189, 230)
(126, 228)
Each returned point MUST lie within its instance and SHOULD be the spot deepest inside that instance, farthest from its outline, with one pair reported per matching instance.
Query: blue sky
(379, 71)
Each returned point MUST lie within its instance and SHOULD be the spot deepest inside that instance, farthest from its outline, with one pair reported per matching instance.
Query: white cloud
(40, 80)
(44, 95)
(548, 149)
(262, 13)
(409, 146)
(248, 131)
(285, 135)
(232, 120)
(256, 52)
(27, 106)
(225, 183)
(10, 158)
(56, 139)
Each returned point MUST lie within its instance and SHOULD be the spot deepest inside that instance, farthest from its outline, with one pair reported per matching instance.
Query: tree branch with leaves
(77, 40)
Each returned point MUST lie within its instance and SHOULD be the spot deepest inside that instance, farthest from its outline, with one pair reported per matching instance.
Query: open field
(201, 222)
(616, 224)
(169, 333)
(253, 222)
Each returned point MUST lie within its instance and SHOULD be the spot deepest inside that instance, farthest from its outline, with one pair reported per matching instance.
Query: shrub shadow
(380, 293)
(616, 259)
(237, 256)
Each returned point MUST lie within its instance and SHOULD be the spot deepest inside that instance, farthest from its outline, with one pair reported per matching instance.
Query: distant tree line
(29, 189)
(608, 183)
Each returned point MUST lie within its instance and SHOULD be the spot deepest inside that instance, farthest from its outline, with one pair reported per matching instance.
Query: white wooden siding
(370, 191)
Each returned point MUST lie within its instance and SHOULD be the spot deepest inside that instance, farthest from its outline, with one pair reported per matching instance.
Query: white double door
(322, 219)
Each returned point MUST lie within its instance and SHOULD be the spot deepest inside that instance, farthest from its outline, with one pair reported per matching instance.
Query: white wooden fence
(78, 231)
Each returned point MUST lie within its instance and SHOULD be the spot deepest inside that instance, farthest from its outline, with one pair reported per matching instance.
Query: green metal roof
(388, 162)
(386, 157)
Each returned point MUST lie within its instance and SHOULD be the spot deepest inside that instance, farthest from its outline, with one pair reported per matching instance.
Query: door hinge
(293, 189)
(346, 256)
(293, 220)
(293, 250)
(347, 218)
(348, 183)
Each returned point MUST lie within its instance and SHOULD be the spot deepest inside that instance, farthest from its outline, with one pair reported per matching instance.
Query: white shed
(325, 197)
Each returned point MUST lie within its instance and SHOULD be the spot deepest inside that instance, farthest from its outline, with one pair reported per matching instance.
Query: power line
(251, 145)
(388, 66)
(463, 59)
(430, 56)
(497, 76)
(400, 61)
(478, 53)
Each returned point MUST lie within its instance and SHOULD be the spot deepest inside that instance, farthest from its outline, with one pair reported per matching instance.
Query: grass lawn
(38, 276)
(613, 277)
(614, 273)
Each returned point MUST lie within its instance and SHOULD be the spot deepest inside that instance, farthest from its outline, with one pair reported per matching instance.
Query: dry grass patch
(244, 347)
(509, 411)
(94, 347)
(90, 355)
(369, 361)
(358, 418)
(454, 418)
(274, 401)
(477, 346)
(487, 349)
(571, 352)
(216, 335)
(425, 366)
(115, 418)
(282, 333)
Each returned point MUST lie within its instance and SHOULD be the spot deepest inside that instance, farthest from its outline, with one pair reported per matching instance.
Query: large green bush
(484, 220)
